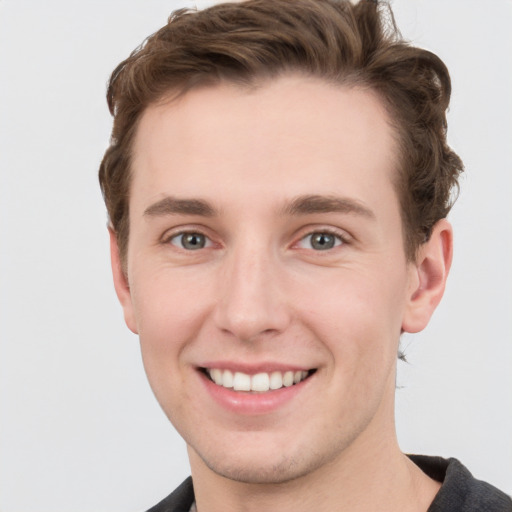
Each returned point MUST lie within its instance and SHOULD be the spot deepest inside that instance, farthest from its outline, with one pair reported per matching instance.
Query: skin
(259, 292)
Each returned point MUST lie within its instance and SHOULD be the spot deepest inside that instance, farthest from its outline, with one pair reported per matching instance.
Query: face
(266, 273)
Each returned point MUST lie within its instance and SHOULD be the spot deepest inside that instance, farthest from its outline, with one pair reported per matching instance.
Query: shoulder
(460, 491)
(180, 500)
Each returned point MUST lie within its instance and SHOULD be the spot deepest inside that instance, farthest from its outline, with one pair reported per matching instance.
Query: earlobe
(429, 277)
(121, 283)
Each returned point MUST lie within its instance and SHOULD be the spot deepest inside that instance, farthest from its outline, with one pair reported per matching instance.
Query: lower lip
(241, 402)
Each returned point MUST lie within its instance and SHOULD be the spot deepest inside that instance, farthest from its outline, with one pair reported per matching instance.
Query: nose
(251, 301)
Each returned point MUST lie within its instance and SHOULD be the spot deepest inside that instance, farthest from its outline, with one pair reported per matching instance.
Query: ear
(428, 277)
(121, 283)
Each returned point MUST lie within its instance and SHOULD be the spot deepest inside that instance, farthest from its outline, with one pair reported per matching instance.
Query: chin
(264, 466)
(271, 473)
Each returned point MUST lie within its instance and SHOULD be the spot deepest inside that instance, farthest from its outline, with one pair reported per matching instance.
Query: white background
(79, 428)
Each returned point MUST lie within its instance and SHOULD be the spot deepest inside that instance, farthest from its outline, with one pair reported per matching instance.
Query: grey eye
(190, 241)
(320, 241)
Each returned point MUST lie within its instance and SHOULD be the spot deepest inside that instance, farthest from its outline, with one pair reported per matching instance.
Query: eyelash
(340, 238)
(181, 234)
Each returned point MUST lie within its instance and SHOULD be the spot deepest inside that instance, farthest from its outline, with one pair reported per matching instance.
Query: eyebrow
(311, 204)
(302, 205)
(174, 206)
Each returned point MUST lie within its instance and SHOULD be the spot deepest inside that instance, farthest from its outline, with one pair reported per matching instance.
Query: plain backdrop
(79, 428)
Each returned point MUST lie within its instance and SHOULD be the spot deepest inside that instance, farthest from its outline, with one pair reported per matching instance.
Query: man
(277, 185)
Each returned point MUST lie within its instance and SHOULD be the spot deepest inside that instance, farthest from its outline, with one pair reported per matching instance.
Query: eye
(320, 241)
(190, 241)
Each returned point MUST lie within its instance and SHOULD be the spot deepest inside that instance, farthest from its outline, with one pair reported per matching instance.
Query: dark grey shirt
(460, 492)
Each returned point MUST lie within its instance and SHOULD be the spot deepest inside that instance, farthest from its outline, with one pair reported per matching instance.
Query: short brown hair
(333, 40)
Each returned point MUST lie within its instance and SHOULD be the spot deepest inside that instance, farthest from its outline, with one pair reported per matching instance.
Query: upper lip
(253, 369)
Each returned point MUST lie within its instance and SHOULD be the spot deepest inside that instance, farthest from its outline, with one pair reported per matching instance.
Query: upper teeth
(259, 382)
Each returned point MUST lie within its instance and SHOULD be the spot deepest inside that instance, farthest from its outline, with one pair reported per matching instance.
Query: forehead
(289, 136)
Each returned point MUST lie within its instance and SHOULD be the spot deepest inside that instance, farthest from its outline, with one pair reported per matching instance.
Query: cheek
(167, 318)
(167, 303)
(359, 318)
(169, 314)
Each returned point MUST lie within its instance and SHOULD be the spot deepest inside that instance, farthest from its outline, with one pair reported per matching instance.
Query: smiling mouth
(259, 382)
